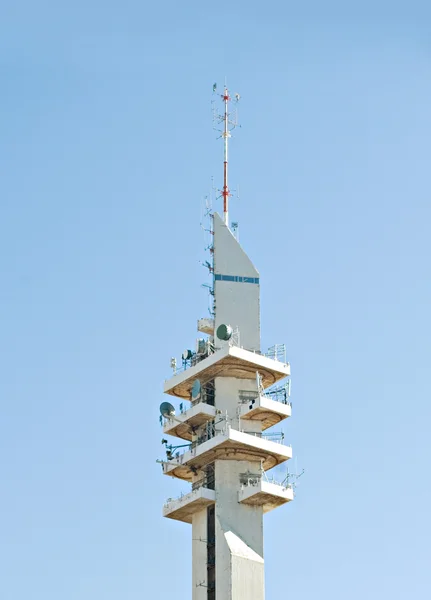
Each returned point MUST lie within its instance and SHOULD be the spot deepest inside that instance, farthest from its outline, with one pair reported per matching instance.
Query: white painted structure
(224, 427)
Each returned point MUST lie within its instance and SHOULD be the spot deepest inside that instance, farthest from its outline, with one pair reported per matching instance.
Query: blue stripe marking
(236, 278)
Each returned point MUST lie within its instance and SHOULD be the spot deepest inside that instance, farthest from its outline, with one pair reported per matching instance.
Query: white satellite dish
(167, 410)
(196, 389)
(187, 354)
(224, 332)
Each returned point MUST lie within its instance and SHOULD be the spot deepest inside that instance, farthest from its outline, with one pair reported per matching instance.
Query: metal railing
(277, 352)
(207, 482)
(207, 348)
(253, 479)
(170, 501)
(212, 431)
(279, 394)
(276, 436)
(207, 433)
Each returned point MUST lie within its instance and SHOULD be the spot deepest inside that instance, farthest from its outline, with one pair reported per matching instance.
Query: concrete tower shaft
(230, 386)
(238, 528)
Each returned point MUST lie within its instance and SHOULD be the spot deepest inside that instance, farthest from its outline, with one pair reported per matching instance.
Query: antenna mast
(226, 136)
(228, 125)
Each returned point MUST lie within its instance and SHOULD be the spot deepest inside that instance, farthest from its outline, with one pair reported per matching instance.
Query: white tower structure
(229, 395)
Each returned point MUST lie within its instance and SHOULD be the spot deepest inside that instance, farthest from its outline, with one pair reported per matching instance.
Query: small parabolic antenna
(196, 389)
(167, 410)
(224, 332)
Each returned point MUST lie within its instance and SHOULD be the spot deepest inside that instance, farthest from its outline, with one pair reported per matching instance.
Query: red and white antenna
(228, 125)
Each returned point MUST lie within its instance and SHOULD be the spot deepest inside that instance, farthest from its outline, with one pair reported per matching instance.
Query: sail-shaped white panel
(236, 287)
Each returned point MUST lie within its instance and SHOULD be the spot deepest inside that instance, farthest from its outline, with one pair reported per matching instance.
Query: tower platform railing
(276, 352)
(213, 430)
(278, 395)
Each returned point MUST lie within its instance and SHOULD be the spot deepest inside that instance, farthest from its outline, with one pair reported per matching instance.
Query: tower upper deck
(229, 361)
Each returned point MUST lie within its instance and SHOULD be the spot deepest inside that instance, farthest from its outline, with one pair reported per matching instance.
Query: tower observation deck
(227, 396)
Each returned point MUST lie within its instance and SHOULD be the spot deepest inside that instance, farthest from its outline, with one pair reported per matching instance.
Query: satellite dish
(196, 389)
(187, 354)
(167, 410)
(224, 332)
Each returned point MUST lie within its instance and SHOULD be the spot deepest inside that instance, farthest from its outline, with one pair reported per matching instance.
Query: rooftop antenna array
(228, 123)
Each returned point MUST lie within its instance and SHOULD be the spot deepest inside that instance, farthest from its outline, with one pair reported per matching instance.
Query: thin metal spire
(226, 136)
(228, 125)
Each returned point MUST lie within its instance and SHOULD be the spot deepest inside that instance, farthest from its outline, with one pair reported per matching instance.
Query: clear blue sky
(106, 152)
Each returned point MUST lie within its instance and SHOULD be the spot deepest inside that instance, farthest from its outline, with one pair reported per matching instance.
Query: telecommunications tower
(228, 394)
